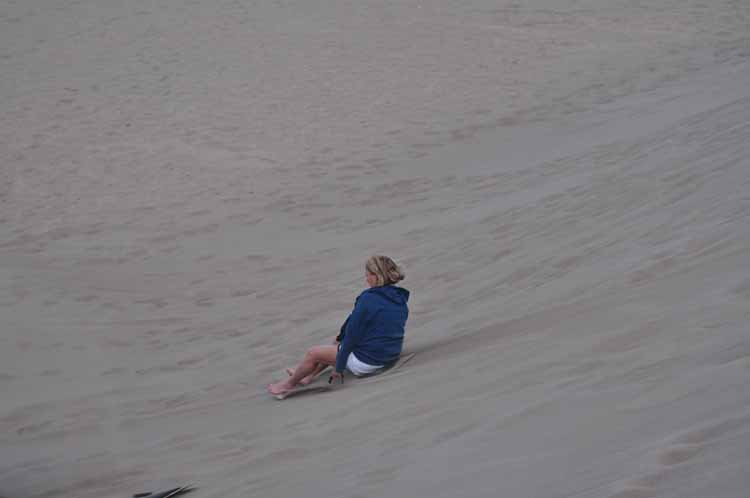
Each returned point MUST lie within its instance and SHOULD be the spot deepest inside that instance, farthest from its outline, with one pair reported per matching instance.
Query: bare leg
(325, 355)
(318, 369)
(314, 375)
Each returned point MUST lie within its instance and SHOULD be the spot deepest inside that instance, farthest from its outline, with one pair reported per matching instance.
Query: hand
(336, 375)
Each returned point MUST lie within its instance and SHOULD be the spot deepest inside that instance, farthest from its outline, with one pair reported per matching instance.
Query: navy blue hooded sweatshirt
(374, 331)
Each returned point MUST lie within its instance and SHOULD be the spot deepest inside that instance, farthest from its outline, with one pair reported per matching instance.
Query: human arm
(355, 328)
(336, 376)
(342, 331)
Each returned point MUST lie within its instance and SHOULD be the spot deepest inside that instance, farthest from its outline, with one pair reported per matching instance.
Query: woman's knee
(313, 353)
(320, 354)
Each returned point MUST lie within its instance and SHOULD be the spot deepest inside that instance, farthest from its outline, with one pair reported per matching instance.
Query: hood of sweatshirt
(397, 295)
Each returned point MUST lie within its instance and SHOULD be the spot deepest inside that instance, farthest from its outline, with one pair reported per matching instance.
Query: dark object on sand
(166, 494)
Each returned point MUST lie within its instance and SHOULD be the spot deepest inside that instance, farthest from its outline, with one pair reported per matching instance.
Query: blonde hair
(386, 271)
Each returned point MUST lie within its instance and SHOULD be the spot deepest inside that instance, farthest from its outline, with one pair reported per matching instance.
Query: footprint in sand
(634, 492)
(642, 487)
(717, 430)
(115, 371)
(683, 449)
(678, 454)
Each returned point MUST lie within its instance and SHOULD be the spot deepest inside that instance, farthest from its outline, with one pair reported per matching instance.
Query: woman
(372, 336)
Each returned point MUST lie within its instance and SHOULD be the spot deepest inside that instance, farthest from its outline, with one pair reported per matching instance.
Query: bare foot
(279, 387)
(304, 381)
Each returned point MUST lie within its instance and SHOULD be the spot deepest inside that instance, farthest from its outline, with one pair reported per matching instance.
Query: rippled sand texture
(189, 189)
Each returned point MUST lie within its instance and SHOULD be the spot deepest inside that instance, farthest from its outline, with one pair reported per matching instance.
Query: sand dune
(189, 192)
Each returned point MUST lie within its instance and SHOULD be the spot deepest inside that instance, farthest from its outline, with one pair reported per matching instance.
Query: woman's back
(374, 331)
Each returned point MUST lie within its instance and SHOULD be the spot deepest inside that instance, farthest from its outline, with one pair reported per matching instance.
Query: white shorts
(358, 367)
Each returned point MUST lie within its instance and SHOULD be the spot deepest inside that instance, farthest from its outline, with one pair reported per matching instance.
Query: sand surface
(189, 189)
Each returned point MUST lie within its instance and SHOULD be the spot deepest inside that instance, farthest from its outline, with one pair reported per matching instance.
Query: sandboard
(298, 391)
(316, 386)
(170, 493)
(390, 368)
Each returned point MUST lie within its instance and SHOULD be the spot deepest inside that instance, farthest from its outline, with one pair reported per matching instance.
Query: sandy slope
(188, 192)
